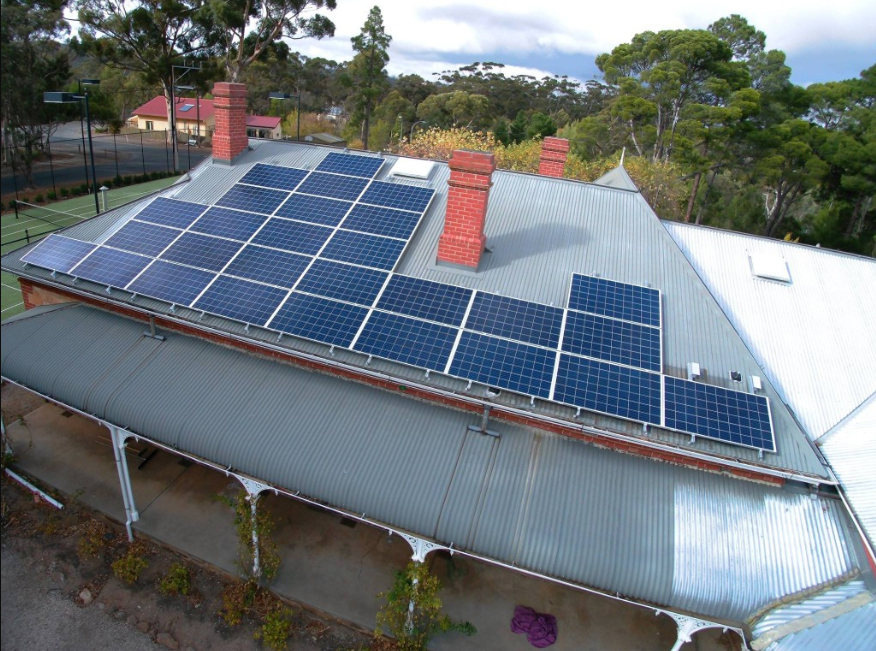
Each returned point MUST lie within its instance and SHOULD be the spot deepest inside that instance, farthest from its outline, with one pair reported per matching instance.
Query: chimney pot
(463, 240)
(554, 152)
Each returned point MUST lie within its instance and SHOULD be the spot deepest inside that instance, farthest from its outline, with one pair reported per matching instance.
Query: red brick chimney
(553, 156)
(463, 240)
(229, 139)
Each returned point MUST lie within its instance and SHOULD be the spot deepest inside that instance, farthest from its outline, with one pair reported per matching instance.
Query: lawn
(34, 223)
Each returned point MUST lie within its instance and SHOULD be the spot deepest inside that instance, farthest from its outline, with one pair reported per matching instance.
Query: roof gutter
(229, 471)
(479, 404)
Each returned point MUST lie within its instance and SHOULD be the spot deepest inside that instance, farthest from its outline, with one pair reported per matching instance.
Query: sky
(823, 41)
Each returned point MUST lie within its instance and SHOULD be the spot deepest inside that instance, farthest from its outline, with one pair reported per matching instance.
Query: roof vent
(736, 376)
(771, 267)
(693, 371)
(756, 383)
(412, 168)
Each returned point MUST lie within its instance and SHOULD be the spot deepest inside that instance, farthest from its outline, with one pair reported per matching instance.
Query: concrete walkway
(328, 562)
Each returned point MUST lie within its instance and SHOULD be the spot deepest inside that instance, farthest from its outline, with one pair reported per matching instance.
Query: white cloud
(427, 35)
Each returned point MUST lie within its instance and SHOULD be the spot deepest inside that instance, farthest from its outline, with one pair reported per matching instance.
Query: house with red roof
(197, 117)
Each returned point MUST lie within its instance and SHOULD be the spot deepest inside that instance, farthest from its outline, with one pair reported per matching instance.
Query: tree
(367, 71)
(32, 62)
(456, 109)
(147, 38)
(243, 30)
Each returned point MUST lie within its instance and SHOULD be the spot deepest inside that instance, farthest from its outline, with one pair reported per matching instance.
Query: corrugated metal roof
(814, 336)
(677, 537)
(850, 448)
(786, 614)
(540, 230)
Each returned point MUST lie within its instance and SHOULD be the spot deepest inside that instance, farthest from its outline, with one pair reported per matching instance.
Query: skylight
(771, 267)
(186, 107)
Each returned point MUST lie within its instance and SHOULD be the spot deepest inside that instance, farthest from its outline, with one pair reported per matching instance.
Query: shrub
(177, 581)
(276, 629)
(237, 598)
(128, 568)
(65, 192)
(117, 181)
(38, 199)
(52, 195)
(95, 537)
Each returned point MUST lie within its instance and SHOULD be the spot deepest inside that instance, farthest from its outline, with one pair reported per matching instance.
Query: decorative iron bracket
(422, 548)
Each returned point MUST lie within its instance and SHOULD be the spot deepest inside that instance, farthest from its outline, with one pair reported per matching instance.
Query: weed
(177, 581)
(94, 539)
(237, 598)
(128, 568)
(276, 629)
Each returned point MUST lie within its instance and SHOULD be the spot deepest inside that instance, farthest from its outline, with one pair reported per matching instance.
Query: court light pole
(72, 98)
(87, 82)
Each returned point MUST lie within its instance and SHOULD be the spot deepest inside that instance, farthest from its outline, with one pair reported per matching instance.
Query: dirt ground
(51, 541)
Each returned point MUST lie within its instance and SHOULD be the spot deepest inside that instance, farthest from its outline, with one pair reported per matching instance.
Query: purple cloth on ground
(540, 628)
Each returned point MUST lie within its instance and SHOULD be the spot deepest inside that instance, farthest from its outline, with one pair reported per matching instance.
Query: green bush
(38, 198)
(177, 581)
(276, 630)
(118, 182)
(52, 195)
(65, 192)
(128, 568)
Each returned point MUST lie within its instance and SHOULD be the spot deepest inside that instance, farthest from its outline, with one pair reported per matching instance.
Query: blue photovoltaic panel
(292, 236)
(367, 250)
(268, 266)
(342, 281)
(382, 221)
(608, 388)
(144, 238)
(273, 176)
(110, 267)
(614, 299)
(170, 212)
(252, 199)
(233, 224)
(718, 413)
(320, 319)
(515, 319)
(505, 364)
(425, 299)
(317, 210)
(406, 340)
(202, 251)
(398, 195)
(58, 253)
(616, 341)
(241, 300)
(171, 282)
(351, 165)
(333, 186)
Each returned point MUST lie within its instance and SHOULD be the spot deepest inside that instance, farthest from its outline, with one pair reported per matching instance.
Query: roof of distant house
(186, 108)
(262, 121)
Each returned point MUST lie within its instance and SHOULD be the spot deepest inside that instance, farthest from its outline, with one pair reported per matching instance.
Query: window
(150, 125)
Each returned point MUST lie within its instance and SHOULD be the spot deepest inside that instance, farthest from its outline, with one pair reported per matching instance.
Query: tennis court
(35, 222)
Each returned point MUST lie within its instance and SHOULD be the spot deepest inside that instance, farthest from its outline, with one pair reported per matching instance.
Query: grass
(72, 212)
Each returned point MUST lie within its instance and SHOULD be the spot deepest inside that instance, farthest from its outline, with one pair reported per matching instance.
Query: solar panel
(342, 281)
(144, 238)
(202, 251)
(320, 319)
(317, 210)
(268, 266)
(614, 299)
(170, 282)
(718, 413)
(233, 224)
(241, 300)
(406, 340)
(382, 221)
(110, 267)
(292, 236)
(425, 299)
(506, 364)
(274, 176)
(515, 319)
(351, 165)
(366, 250)
(171, 212)
(58, 253)
(612, 340)
(398, 195)
(333, 186)
(608, 388)
(252, 199)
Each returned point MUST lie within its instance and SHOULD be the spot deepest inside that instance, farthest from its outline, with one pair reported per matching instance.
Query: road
(122, 155)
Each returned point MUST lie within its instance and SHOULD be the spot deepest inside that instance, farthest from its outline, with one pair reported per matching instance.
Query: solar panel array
(311, 254)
